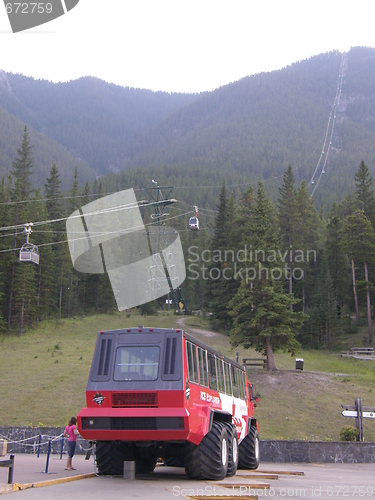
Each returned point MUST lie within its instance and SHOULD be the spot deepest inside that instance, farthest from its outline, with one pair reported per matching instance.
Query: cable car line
(330, 128)
(93, 234)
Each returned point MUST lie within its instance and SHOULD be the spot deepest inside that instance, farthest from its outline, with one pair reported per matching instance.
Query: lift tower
(163, 271)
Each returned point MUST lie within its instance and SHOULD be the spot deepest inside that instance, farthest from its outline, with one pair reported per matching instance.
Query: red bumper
(134, 424)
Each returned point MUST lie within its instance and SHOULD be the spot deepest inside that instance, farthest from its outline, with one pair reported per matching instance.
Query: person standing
(71, 433)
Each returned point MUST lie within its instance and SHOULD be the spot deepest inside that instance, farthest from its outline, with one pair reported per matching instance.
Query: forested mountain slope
(96, 122)
(46, 152)
(260, 124)
(252, 128)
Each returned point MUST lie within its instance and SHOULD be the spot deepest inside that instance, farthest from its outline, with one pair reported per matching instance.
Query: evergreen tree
(54, 206)
(337, 262)
(364, 192)
(74, 198)
(46, 272)
(22, 277)
(346, 208)
(263, 319)
(220, 283)
(23, 169)
(261, 311)
(321, 324)
(307, 229)
(288, 218)
(68, 279)
(358, 240)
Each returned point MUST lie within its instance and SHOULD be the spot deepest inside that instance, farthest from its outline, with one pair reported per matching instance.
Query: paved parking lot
(300, 481)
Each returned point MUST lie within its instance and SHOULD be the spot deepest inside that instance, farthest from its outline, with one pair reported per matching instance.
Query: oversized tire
(110, 457)
(249, 450)
(209, 460)
(233, 451)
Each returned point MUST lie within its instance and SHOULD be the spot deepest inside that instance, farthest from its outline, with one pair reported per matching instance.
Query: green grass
(44, 375)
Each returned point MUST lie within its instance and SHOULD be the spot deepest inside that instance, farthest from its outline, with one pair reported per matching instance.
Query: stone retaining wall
(317, 451)
(26, 440)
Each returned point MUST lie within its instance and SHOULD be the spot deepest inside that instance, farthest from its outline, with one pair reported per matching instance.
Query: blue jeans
(72, 448)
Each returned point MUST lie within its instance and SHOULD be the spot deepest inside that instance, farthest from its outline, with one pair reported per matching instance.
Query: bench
(362, 350)
(247, 362)
(10, 464)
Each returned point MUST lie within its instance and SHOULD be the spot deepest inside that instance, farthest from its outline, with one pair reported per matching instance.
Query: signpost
(359, 412)
(352, 413)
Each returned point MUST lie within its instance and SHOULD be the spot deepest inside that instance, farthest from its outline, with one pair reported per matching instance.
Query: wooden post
(359, 419)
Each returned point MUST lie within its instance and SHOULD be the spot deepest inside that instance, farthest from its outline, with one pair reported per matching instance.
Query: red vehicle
(157, 393)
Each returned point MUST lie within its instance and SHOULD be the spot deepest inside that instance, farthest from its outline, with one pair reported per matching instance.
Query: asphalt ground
(30, 470)
(300, 481)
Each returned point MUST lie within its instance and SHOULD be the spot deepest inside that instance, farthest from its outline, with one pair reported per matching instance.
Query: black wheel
(233, 452)
(249, 450)
(209, 460)
(110, 457)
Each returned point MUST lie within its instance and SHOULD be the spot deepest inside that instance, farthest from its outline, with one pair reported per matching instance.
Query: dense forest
(250, 129)
(272, 273)
(273, 265)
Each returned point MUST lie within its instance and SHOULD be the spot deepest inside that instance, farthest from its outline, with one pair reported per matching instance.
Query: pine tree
(74, 199)
(69, 277)
(54, 206)
(364, 192)
(220, 283)
(337, 261)
(261, 311)
(263, 319)
(346, 208)
(288, 218)
(321, 324)
(358, 240)
(22, 288)
(307, 230)
(23, 169)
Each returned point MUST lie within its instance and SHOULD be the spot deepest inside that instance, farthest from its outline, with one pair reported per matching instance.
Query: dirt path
(189, 329)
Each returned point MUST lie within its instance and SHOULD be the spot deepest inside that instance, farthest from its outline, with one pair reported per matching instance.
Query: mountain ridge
(254, 127)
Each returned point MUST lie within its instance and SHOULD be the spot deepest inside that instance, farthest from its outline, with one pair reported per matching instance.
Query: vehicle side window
(220, 375)
(242, 385)
(191, 355)
(228, 384)
(212, 371)
(235, 382)
(202, 363)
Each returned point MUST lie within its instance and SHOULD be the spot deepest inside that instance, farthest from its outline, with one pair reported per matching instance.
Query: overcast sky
(183, 46)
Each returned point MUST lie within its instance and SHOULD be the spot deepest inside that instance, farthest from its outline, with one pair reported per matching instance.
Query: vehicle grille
(134, 400)
(133, 423)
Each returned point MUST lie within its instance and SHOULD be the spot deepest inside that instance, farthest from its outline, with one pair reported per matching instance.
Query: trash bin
(299, 364)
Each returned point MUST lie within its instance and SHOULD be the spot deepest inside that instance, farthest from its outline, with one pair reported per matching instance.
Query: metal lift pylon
(163, 268)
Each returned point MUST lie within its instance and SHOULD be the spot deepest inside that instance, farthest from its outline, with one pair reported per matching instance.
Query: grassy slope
(44, 375)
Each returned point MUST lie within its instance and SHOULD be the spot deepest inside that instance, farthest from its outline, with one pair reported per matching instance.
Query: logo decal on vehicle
(98, 398)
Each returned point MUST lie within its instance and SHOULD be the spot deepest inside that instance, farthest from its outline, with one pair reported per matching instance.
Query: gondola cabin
(194, 223)
(29, 253)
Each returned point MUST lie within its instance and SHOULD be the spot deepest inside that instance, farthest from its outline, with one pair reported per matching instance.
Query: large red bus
(160, 393)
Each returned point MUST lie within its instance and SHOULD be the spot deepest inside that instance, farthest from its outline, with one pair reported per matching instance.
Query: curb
(51, 482)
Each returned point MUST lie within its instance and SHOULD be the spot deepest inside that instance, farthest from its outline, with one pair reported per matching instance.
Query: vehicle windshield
(137, 363)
